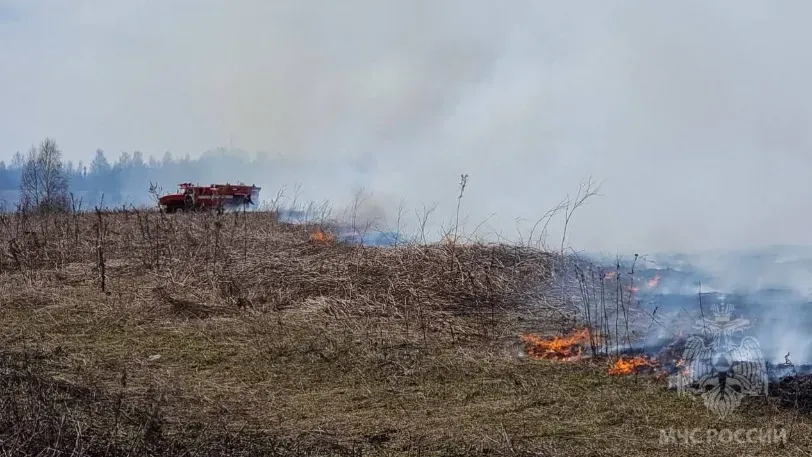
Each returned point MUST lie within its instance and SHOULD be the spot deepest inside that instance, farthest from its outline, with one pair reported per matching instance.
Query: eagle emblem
(721, 372)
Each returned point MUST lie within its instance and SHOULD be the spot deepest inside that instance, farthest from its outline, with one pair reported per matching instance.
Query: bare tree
(43, 184)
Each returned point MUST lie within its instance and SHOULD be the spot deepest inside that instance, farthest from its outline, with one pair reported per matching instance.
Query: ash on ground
(793, 392)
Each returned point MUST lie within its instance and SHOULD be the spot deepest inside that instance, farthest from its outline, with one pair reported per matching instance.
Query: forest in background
(125, 180)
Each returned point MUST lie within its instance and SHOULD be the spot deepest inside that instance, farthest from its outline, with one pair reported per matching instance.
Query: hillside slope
(241, 335)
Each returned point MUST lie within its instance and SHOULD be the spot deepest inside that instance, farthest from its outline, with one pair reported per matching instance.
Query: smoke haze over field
(694, 115)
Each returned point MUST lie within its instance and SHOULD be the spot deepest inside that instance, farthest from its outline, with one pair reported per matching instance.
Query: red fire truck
(191, 197)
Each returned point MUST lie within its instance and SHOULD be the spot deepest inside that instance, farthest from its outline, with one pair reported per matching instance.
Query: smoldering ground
(768, 287)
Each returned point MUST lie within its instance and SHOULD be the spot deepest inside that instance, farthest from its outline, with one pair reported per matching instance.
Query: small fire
(683, 377)
(566, 348)
(630, 365)
(653, 282)
(683, 368)
(320, 236)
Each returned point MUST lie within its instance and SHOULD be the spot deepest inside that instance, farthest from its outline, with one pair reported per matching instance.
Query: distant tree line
(42, 179)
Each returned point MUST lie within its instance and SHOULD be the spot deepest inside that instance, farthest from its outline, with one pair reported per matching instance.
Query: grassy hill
(196, 334)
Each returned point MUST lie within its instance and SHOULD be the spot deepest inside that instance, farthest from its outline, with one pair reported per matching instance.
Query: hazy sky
(694, 115)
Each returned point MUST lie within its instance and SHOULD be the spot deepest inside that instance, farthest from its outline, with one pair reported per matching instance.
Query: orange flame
(630, 365)
(320, 236)
(684, 369)
(683, 374)
(653, 282)
(566, 348)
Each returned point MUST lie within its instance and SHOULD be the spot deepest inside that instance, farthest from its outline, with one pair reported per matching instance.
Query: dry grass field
(137, 333)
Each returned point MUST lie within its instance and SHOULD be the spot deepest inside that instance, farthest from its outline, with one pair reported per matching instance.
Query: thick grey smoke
(694, 115)
(771, 287)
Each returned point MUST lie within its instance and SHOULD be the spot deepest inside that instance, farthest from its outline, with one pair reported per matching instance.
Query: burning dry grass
(235, 334)
(565, 348)
(631, 365)
(319, 235)
(579, 344)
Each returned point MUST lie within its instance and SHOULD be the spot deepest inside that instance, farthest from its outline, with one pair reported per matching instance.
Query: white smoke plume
(692, 114)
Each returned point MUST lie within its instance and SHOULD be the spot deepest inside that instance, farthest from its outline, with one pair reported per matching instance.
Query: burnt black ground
(794, 392)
